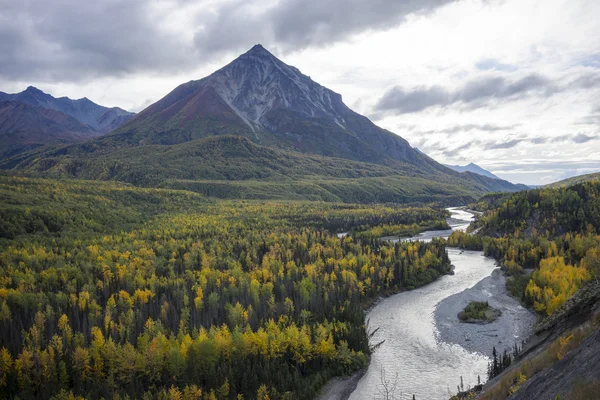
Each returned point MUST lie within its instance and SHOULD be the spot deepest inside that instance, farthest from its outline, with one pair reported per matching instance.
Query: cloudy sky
(512, 85)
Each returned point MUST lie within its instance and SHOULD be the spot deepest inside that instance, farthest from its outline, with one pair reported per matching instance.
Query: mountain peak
(33, 90)
(258, 52)
(258, 48)
(257, 84)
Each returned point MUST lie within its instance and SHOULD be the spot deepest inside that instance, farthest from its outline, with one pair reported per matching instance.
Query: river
(417, 357)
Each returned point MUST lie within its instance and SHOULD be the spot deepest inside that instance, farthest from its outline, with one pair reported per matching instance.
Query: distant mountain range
(33, 118)
(476, 169)
(259, 128)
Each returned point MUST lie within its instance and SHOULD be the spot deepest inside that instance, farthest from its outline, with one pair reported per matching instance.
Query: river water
(413, 357)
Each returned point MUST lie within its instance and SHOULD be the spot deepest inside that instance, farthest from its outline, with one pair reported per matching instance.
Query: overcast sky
(511, 85)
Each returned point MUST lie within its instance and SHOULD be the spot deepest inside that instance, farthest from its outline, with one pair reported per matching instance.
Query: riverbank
(513, 325)
(341, 388)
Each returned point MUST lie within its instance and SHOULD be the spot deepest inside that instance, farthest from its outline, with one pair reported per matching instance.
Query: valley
(250, 236)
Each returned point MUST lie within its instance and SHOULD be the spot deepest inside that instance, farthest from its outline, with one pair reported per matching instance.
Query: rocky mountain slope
(274, 104)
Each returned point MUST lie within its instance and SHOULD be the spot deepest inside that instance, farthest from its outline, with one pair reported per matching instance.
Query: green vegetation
(490, 201)
(403, 230)
(108, 290)
(231, 167)
(575, 180)
(478, 311)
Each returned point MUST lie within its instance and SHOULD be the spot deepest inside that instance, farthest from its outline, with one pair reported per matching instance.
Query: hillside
(575, 180)
(235, 167)
(550, 212)
(25, 127)
(295, 139)
(561, 359)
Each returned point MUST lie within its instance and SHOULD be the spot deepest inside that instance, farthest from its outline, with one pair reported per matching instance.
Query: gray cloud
(74, 40)
(474, 93)
(593, 118)
(582, 138)
(454, 152)
(575, 138)
(482, 91)
(442, 146)
(294, 24)
(493, 64)
(542, 171)
(538, 140)
(401, 101)
(70, 40)
(503, 145)
(586, 81)
(472, 127)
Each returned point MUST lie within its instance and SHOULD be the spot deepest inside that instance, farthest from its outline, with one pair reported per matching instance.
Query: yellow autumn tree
(554, 283)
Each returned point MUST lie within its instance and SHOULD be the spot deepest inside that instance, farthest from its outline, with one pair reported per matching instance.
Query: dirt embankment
(561, 358)
(340, 388)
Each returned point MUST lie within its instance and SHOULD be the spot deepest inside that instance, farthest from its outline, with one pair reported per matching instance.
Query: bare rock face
(579, 367)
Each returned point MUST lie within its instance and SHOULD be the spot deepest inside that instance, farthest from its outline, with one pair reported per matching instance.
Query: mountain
(99, 118)
(24, 127)
(259, 128)
(273, 104)
(575, 180)
(476, 169)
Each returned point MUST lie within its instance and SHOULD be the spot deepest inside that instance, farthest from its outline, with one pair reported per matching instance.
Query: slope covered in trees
(554, 231)
(111, 290)
(233, 167)
(575, 180)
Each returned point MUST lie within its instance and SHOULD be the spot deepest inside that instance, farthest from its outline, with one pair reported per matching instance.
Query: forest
(109, 290)
(552, 234)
